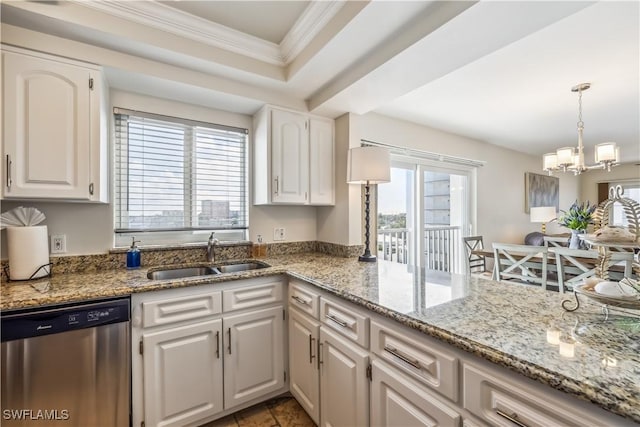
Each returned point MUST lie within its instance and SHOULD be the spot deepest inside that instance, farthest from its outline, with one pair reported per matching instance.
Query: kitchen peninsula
(506, 324)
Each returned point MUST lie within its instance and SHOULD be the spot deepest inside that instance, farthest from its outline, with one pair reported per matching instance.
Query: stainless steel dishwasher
(67, 365)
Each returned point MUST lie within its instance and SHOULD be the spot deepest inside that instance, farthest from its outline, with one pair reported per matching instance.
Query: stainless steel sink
(182, 272)
(235, 268)
(179, 273)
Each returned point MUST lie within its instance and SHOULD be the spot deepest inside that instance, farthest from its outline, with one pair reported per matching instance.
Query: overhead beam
(445, 37)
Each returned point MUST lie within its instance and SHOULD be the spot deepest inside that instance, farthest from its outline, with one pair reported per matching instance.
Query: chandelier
(570, 159)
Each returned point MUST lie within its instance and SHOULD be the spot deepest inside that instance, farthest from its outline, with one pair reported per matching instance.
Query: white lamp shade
(565, 155)
(606, 152)
(368, 165)
(543, 213)
(549, 161)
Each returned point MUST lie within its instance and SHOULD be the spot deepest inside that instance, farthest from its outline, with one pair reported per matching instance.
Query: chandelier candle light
(368, 165)
(570, 159)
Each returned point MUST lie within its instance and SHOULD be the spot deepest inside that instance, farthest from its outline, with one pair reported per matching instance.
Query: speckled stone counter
(503, 323)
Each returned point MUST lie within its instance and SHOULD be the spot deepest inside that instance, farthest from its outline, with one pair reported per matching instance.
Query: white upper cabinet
(54, 137)
(293, 158)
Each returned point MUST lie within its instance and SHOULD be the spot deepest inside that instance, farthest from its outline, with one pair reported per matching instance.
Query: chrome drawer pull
(513, 418)
(336, 320)
(298, 299)
(397, 353)
(229, 346)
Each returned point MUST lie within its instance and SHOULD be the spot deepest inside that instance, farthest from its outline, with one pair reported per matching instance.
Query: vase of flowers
(577, 219)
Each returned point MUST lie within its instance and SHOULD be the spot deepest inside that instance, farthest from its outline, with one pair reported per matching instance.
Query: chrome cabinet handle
(319, 354)
(336, 320)
(298, 299)
(217, 344)
(229, 345)
(91, 189)
(276, 192)
(8, 171)
(400, 355)
(311, 355)
(513, 418)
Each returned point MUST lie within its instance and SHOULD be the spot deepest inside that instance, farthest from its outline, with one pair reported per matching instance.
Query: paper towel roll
(28, 250)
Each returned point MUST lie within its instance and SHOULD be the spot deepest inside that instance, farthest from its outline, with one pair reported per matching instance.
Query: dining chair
(477, 263)
(575, 265)
(556, 241)
(522, 263)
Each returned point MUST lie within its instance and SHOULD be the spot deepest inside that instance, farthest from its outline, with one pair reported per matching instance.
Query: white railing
(443, 247)
(393, 244)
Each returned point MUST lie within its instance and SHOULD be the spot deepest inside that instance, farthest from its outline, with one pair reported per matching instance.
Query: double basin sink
(184, 272)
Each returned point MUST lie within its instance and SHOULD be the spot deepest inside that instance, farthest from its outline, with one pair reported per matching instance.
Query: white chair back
(575, 265)
(515, 262)
(556, 241)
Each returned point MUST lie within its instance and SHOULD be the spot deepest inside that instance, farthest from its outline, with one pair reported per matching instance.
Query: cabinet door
(321, 162)
(182, 374)
(397, 400)
(344, 387)
(47, 128)
(254, 355)
(304, 375)
(289, 157)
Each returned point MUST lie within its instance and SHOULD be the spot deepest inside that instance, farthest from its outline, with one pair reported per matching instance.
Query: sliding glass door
(423, 213)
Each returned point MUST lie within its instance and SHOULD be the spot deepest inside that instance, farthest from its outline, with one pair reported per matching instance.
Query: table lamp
(543, 214)
(368, 165)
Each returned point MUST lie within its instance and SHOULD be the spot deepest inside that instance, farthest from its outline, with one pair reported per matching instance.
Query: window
(176, 180)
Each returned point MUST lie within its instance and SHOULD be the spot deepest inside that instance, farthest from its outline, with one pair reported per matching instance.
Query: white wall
(500, 183)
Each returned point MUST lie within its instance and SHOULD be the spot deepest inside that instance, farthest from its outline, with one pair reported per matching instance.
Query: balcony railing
(393, 244)
(443, 249)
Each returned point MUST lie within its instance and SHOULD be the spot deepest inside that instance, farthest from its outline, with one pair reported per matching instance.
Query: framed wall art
(541, 190)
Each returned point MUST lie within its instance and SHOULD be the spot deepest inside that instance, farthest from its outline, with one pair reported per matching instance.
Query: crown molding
(157, 15)
(166, 18)
(314, 18)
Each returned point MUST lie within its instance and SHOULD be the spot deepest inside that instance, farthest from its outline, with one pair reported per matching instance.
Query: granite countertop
(504, 323)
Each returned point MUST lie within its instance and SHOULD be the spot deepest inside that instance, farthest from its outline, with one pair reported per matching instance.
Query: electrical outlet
(58, 243)
(278, 234)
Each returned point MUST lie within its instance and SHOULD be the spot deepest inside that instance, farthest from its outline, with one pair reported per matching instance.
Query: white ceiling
(494, 71)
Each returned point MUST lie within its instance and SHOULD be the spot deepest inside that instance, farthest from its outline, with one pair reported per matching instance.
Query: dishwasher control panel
(53, 320)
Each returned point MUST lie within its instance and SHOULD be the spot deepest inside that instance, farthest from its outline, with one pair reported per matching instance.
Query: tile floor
(281, 411)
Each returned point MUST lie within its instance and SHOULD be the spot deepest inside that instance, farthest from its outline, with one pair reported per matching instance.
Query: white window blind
(178, 175)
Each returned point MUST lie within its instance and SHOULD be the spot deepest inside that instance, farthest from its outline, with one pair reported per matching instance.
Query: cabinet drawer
(304, 299)
(252, 296)
(397, 400)
(172, 310)
(418, 357)
(496, 400)
(345, 320)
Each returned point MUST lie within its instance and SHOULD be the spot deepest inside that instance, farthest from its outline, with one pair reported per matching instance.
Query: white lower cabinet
(304, 378)
(397, 400)
(182, 374)
(344, 386)
(254, 355)
(196, 359)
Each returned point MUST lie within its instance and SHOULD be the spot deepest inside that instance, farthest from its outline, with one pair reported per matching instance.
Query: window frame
(190, 233)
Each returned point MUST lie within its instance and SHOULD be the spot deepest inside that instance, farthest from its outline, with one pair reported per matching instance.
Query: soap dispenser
(133, 254)
(259, 248)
